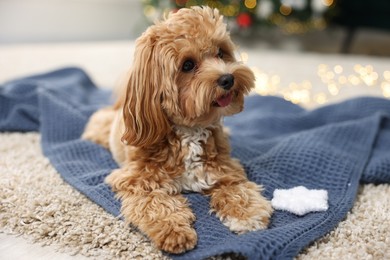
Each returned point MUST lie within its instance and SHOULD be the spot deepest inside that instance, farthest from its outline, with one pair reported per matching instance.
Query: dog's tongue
(224, 100)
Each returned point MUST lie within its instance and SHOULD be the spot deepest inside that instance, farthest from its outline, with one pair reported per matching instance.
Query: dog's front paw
(176, 239)
(241, 207)
(255, 217)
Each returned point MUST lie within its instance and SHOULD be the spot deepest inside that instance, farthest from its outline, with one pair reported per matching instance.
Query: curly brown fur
(165, 131)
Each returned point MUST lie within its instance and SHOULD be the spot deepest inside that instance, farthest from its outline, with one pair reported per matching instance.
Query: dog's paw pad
(241, 226)
(178, 240)
(252, 218)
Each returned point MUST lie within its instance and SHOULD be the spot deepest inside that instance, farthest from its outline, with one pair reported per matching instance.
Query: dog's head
(184, 73)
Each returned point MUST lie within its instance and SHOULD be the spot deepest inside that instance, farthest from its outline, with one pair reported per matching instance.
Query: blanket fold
(281, 145)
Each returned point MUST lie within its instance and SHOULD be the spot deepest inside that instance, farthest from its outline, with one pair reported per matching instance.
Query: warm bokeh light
(386, 89)
(334, 79)
(327, 2)
(285, 10)
(250, 4)
(338, 69)
(244, 57)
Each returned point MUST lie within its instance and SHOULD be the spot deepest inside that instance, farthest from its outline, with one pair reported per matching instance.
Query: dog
(165, 131)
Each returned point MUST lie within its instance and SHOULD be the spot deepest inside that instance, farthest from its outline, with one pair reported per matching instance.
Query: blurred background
(310, 52)
(326, 26)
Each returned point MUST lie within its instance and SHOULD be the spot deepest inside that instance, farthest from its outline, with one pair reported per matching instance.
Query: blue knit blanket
(281, 145)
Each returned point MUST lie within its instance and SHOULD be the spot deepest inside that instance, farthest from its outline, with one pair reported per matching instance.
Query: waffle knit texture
(281, 145)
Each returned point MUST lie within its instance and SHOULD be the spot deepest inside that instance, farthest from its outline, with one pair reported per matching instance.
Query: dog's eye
(220, 53)
(188, 65)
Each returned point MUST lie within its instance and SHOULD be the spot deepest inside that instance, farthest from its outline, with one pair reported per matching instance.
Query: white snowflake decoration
(300, 200)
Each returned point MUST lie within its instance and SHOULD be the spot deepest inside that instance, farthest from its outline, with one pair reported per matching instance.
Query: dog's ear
(144, 118)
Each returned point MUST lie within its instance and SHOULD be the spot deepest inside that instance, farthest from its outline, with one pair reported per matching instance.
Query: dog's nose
(226, 81)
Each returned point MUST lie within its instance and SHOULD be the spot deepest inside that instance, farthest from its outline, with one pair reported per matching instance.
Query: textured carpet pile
(35, 201)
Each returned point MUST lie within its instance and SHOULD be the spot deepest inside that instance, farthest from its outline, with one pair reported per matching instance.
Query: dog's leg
(238, 202)
(241, 207)
(165, 218)
(99, 125)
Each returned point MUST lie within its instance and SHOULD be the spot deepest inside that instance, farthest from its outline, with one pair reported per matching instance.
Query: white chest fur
(194, 178)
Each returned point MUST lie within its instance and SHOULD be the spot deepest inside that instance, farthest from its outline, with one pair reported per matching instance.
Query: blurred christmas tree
(291, 16)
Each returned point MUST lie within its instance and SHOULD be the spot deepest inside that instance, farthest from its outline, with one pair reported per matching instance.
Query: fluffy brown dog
(166, 132)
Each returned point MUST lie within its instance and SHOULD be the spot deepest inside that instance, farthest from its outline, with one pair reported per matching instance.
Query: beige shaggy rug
(38, 204)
